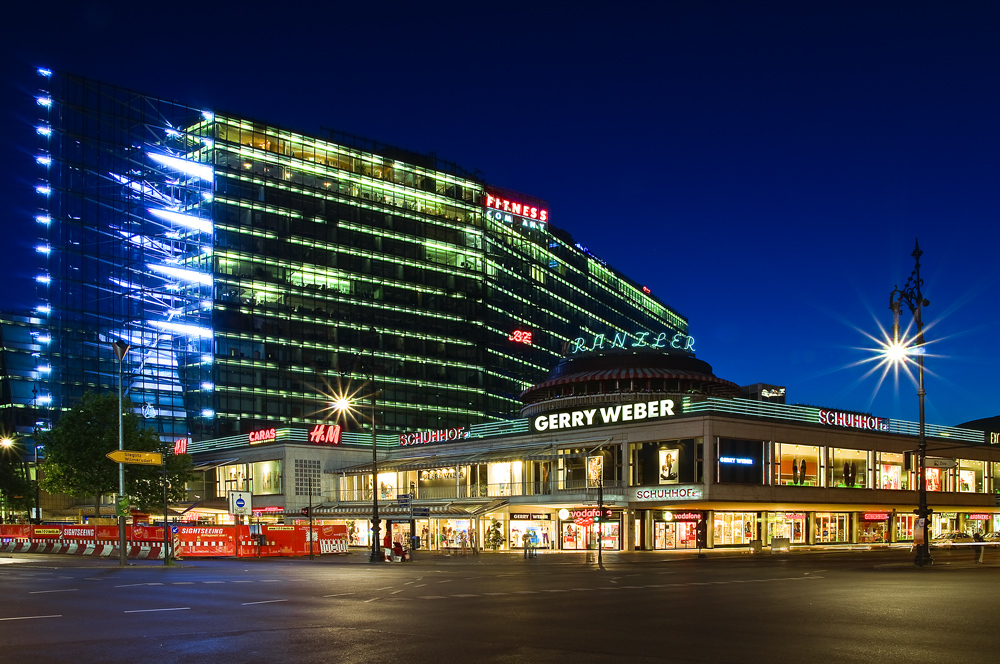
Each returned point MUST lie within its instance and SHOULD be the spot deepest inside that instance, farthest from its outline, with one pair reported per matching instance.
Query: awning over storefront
(209, 465)
(393, 512)
(429, 461)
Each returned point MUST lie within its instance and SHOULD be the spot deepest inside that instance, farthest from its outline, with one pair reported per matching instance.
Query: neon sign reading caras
(521, 337)
(262, 436)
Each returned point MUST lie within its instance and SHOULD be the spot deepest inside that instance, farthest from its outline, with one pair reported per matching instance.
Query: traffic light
(702, 534)
(305, 511)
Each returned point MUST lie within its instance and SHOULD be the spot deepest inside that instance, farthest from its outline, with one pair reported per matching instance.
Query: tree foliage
(76, 449)
(15, 487)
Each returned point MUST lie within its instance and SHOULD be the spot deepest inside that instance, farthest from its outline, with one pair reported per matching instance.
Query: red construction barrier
(187, 541)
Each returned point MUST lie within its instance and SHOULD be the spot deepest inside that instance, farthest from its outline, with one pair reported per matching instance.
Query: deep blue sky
(764, 168)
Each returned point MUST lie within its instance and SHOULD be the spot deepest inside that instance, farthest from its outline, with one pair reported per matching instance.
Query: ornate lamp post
(911, 294)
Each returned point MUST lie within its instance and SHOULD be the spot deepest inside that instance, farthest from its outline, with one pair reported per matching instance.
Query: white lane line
(182, 583)
(130, 585)
(381, 589)
(32, 617)
(420, 585)
(244, 581)
(266, 601)
(65, 590)
(213, 581)
(446, 581)
(396, 592)
(465, 595)
(270, 580)
(338, 595)
(433, 597)
(373, 599)
(177, 608)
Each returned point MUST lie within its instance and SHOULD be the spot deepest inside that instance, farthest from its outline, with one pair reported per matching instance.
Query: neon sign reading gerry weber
(676, 340)
(630, 412)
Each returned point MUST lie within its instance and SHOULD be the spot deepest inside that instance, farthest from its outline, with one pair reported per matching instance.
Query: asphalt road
(800, 607)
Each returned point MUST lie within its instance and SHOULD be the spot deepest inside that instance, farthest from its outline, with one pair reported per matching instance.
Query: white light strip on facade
(192, 168)
(186, 220)
(181, 328)
(181, 273)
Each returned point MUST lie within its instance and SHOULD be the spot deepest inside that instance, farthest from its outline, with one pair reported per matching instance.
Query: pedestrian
(526, 542)
(387, 544)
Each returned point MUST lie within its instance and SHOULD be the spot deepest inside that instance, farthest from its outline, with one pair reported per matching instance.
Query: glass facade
(255, 270)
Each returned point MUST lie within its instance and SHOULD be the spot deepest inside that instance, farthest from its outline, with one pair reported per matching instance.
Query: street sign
(129, 456)
(421, 512)
(942, 463)
(240, 503)
(403, 499)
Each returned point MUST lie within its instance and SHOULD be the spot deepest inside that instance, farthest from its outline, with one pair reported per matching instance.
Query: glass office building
(254, 271)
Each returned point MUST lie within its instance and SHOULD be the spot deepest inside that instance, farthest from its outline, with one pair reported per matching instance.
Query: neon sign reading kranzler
(675, 340)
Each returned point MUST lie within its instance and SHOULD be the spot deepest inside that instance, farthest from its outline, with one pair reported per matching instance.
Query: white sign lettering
(692, 492)
(630, 412)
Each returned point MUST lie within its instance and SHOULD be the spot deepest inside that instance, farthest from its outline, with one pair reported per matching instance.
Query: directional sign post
(129, 456)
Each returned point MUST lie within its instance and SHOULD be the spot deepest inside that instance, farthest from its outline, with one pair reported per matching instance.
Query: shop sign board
(853, 420)
(532, 516)
(642, 339)
(980, 517)
(593, 417)
(439, 436)
(875, 516)
(262, 436)
(656, 494)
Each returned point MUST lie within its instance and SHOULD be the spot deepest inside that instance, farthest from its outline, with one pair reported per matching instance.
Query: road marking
(266, 601)
(338, 595)
(446, 581)
(182, 583)
(371, 600)
(270, 580)
(381, 589)
(130, 585)
(31, 617)
(178, 608)
(555, 591)
(396, 592)
(213, 581)
(493, 594)
(433, 597)
(245, 581)
(65, 590)
(525, 592)
(420, 585)
(465, 595)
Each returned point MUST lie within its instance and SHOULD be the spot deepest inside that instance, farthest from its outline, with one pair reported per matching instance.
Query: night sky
(764, 168)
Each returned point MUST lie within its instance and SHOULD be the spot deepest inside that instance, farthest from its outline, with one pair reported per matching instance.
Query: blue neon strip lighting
(187, 220)
(181, 273)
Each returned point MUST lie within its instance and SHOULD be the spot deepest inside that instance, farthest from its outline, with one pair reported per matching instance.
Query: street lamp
(343, 404)
(121, 348)
(911, 294)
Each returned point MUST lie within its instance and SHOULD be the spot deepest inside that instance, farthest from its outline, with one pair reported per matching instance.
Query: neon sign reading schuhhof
(676, 340)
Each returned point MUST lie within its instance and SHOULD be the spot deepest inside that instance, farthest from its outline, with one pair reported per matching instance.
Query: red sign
(181, 446)
(589, 513)
(438, 436)
(269, 508)
(980, 517)
(687, 516)
(874, 516)
(263, 436)
(325, 434)
(520, 209)
(521, 337)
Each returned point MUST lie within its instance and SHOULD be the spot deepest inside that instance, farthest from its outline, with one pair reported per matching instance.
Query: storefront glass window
(791, 525)
(848, 468)
(680, 534)
(873, 527)
(735, 528)
(970, 476)
(505, 478)
(581, 533)
(833, 527)
(890, 473)
(904, 527)
(796, 464)
(538, 531)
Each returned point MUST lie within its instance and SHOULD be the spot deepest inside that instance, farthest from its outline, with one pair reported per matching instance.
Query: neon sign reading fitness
(676, 340)
(508, 212)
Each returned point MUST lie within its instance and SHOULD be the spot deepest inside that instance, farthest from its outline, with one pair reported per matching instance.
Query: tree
(15, 488)
(76, 461)
(494, 536)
